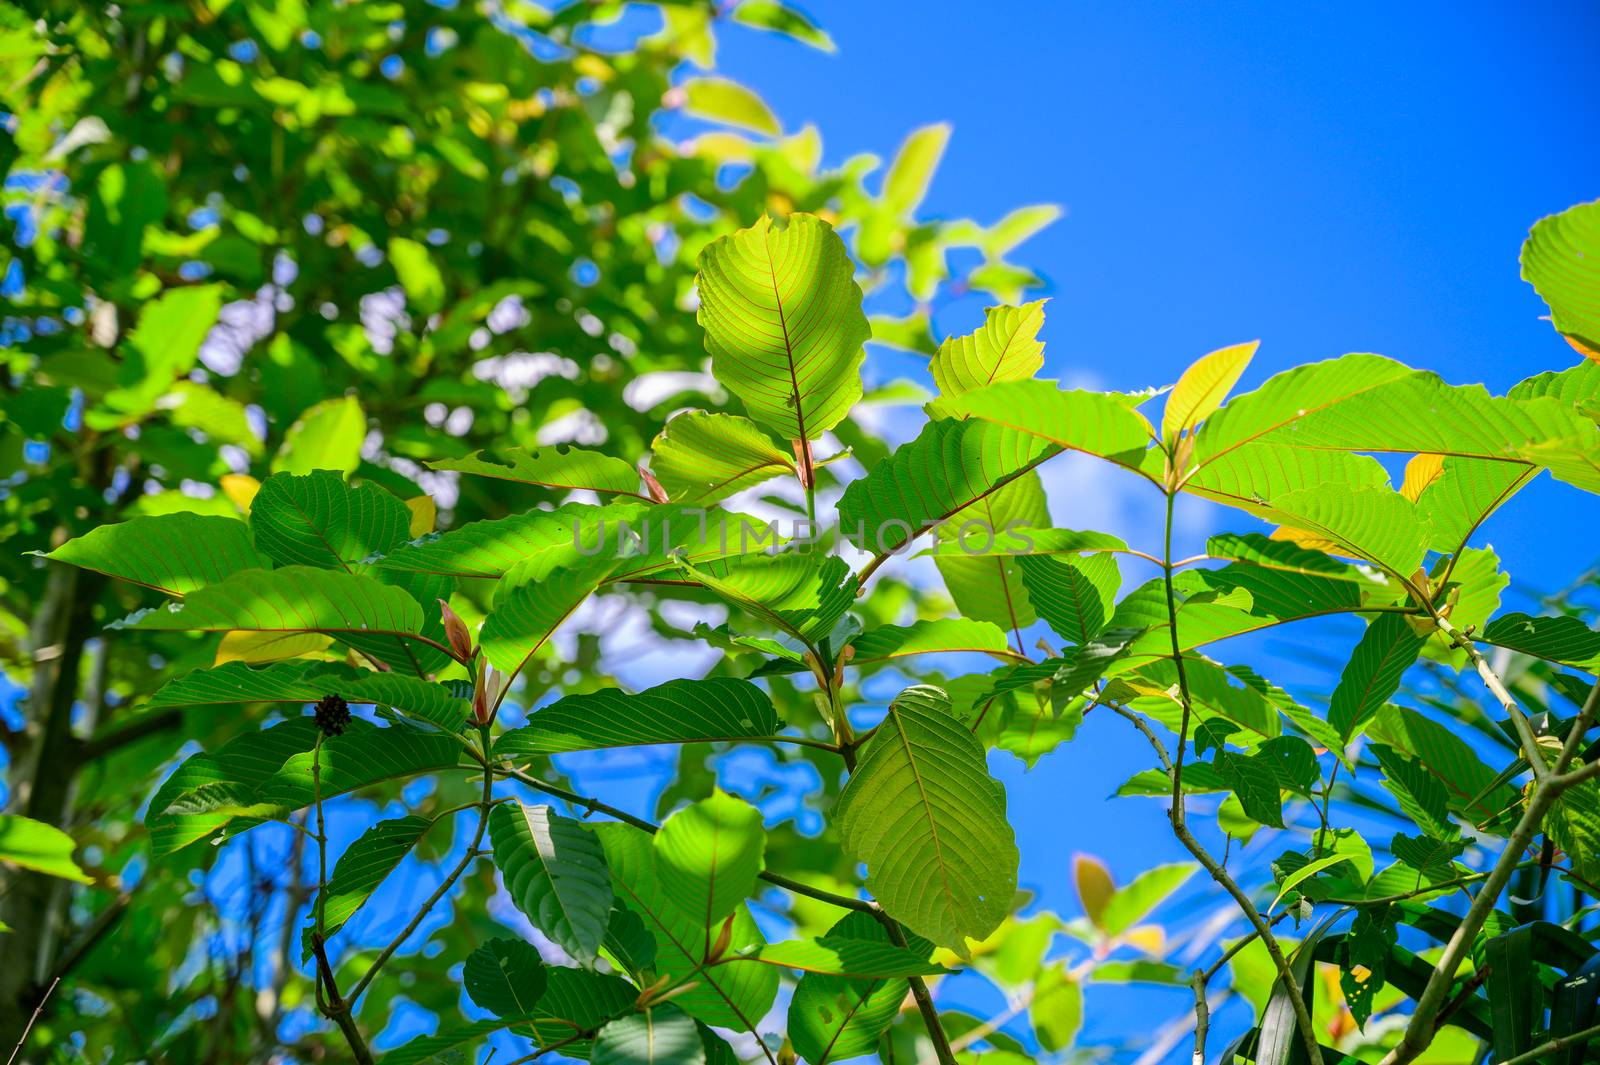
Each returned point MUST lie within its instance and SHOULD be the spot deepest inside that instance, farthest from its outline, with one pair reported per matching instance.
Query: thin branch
(1491, 680)
(336, 1009)
(23, 1039)
(1560, 1042)
(1202, 1016)
(924, 998)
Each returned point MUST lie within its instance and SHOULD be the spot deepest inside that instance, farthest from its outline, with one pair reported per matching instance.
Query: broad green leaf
(1285, 580)
(728, 102)
(160, 552)
(562, 468)
(578, 1000)
(703, 458)
(506, 977)
(1421, 795)
(708, 856)
(1371, 523)
(555, 871)
(1056, 1009)
(1096, 423)
(783, 322)
(629, 943)
(1464, 494)
(985, 584)
(370, 616)
(732, 996)
(419, 275)
(1578, 386)
(328, 436)
(1005, 348)
(930, 636)
(843, 956)
(1564, 639)
(663, 1035)
(906, 183)
(679, 711)
(450, 1046)
(1255, 786)
(934, 479)
(364, 755)
(923, 813)
(364, 866)
(162, 348)
(1131, 902)
(832, 1018)
(531, 602)
(1470, 784)
(43, 848)
(1203, 387)
(320, 520)
(307, 682)
(1372, 676)
(1574, 824)
(1561, 260)
(1304, 873)
(804, 593)
(1074, 595)
(781, 18)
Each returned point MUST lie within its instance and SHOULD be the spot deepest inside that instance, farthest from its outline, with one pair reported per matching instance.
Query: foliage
(222, 531)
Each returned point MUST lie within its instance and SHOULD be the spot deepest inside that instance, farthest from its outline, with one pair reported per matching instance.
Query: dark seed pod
(333, 714)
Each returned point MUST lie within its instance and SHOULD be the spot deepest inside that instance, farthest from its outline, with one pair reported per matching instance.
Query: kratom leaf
(950, 466)
(531, 602)
(1561, 260)
(328, 436)
(372, 617)
(679, 711)
(449, 1046)
(307, 682)
(929, 822)
(1130, 903)
(364, 755)
(832, 1018)
(1578, 386)
(629, 943)
(1074, 595)
(555, 871)
(803, 593)
(1574, 824)
(929, 636)
(1372, 676)
(708, 856)
(1558, 639)
(843, 956)
(728, 102)
(663, 1035)
(703, 458)
(1096, 423)
(505, 977)
(1371, 523)
(43, 848)
(364, 866)
(578, 1000)
(1469, 783)
(1056, 1009)
(1421, 796)
(1203, 387)
(165, 552)
(162, 348)
(320, 520)
(783, 322)
(906, 183)
(562, 468)
(733, 996)
(1464, 494)
(781, 18)
(1006, 348)
(987, 584)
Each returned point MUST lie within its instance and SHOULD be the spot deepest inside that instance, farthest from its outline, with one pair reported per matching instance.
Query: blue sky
(1357, 178)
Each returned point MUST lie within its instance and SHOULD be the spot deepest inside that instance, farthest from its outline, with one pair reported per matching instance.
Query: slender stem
(1420, 1029)
(1180, 827)
(1560, 1042)
(322, 835)
(23, 1039)
(1202, 1016)
(472, 855)
(1492, 681)
(337, 1008)
(924, 998)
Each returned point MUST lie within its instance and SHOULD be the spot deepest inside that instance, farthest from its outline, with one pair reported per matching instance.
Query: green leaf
(1131, 902)
(923, 813)
(506, 977)
(1304, 873)
(934, 479)
(1470, 784)
(1578, 386)
(1561, 260)
(328, 436)
(1365, 959)
(1574, 824)
(42, 848)
(577, 1000)
(1203, 387)
(306, 682)
(844, 956)
(449, 1046)
(1255, 784)
(708, 856)
(531, 602)
(562, 468)
(1372, 676)
(364, 866)
(664, 1035)
(364, 755)
(890, 643)
(781, 18)
(370, 616)
(320, 520)
(1562, 639)
(418, 274)
(1464, 494)
(163, 347)
(1056, 1009)
(1095, 423)
(703, 458)
(1421, 796)
(555, 871)
(1369, 522)
(728, 102)
(783, 322)
(802, 593)
(160, 552)
(679, 711)
(832, 1018)
(986, 585)
(1006, 348)
(733, 996)
(906, 183)
(1074, 595)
